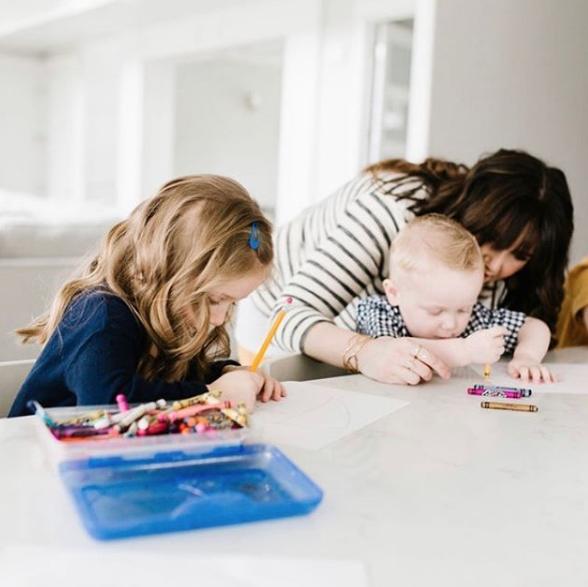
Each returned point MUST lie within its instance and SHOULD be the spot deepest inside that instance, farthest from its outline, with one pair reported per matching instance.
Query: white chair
(299, 368)
(12, 376)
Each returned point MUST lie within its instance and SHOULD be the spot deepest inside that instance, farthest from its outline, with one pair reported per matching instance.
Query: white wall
(219, 131)
(344, 65)
(512, 73)
(22, 124)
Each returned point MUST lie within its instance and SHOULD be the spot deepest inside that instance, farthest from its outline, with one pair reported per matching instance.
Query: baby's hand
(485, 346)
(530, 370)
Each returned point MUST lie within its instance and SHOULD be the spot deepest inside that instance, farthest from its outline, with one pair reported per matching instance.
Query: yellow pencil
(487, 371)
(269, 337)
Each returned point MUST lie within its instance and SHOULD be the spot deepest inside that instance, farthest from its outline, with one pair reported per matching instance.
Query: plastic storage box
(60, 451)
(119, 497)
(125, 487)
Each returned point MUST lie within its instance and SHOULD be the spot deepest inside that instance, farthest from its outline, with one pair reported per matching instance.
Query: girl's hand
(239, 385)
(399, 360)
(527, 369)
(271, 388)
(485, 346)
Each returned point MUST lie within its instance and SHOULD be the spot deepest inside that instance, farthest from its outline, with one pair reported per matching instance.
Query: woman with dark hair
(335, 253)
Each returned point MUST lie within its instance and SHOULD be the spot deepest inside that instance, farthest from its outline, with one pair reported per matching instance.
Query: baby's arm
(532, 344)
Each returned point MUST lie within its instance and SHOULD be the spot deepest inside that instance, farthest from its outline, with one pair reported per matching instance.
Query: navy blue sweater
(93, 356)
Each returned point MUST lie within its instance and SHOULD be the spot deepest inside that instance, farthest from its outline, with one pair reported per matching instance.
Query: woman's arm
(389, 360)
(348, 262)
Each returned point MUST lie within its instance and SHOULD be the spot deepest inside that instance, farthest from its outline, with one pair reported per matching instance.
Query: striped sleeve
(352, 255)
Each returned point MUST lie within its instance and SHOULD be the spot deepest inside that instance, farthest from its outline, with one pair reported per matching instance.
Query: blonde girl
(146, 316)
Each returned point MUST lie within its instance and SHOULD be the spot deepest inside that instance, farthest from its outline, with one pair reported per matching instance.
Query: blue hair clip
(254, 238)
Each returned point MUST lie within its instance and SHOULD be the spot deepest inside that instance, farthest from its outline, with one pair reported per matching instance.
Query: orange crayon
(487, 371)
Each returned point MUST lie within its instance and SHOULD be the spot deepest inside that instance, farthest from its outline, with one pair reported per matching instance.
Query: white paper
(313, 416)
(32, 566)
(571, 378)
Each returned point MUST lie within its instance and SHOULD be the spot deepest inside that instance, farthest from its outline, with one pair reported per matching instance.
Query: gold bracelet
(349, 358)
(350, 344)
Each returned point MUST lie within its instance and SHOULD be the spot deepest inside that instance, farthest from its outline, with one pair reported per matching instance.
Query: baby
(436, 275)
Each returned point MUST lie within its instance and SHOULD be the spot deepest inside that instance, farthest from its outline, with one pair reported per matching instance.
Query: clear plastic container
(59, 450)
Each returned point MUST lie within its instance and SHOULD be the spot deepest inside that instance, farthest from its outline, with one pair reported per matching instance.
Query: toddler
(146, 316)
(436, 275)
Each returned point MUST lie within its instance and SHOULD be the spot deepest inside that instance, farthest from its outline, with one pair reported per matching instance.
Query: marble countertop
(439, 493)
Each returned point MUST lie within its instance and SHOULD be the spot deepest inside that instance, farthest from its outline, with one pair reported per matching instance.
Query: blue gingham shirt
(376, 317)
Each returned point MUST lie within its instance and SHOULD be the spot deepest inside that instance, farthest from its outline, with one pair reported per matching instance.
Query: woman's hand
(399, 360)
(271, 388)
(528, 369)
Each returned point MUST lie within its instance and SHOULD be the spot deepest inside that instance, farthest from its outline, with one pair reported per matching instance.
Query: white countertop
(440, 492)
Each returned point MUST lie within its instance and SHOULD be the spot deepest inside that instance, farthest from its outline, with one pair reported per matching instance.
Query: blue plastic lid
(166, 492)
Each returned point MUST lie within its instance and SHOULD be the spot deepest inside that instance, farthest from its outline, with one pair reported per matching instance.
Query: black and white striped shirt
(335, 254)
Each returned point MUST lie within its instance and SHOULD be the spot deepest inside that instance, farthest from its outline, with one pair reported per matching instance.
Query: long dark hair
(504, 196)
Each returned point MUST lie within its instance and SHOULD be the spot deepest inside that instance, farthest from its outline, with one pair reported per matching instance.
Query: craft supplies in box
(89, 431)
(170, 468)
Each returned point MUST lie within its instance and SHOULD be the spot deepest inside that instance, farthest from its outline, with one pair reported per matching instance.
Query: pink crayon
(498, 391)
(192, 411)
(121, 400)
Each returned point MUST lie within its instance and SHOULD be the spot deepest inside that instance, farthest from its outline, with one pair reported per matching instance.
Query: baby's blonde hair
(436, 239)
(172, 250)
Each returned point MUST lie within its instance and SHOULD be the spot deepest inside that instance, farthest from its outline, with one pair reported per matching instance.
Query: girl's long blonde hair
(162, 260)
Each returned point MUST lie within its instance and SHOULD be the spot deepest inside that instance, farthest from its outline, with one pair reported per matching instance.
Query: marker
(269, 337)
(498, 391)
(514, 407)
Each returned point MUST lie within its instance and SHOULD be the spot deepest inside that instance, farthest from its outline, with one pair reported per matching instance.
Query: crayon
(153, 429)
(498, 391)
(39, 411)
(487, 371)
(121, 400)
(514, 407)
(191, 411)
(212, 397)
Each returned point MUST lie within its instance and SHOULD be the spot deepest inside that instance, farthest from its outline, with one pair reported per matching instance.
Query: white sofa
(35, 259)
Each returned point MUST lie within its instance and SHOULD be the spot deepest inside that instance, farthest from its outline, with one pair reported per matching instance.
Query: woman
(335, 253)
